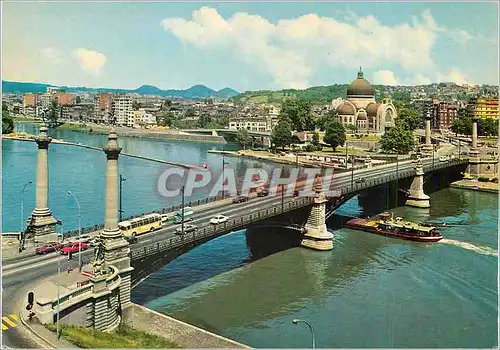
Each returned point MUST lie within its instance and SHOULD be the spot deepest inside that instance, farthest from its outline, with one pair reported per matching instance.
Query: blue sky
(248, 46)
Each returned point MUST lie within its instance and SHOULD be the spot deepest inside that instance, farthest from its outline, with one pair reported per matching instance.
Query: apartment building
(142, 118)
(122, 111)
(252, 124)
(486, 108)
(103, 108)
(64, 99)
(444, 115)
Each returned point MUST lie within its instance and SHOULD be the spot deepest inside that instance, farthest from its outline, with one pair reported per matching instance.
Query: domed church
(361, 109)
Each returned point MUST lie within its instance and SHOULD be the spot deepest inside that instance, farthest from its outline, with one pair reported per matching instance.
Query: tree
(7, 122)
(462, 125)
(135, 105)
(281, 134)
(243, 138)
(204, 121)
(315, 139)
(54, 113)
(351, 127)
(299, 113)
(408, 119)
(397, 139)
(334, 134)
(488, 127)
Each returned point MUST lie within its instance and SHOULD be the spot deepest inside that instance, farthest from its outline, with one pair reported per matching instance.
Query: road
(19, 275)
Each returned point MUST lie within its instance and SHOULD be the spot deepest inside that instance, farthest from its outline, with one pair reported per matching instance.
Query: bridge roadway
(19, 277)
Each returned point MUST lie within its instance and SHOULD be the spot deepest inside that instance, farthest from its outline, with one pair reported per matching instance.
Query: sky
(248, 46)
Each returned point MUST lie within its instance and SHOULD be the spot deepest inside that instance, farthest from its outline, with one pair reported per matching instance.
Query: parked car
(219, 219)
(84, 238)
(240, 199)
(263, 193)
(48, 248)
(164, 218)
(187, 228)
(73, 247)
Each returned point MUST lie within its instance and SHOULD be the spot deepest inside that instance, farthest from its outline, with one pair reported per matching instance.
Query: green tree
(351, 128)
(7, 122)
(299, 113)
(462, 125)
(488, 127)
(54, 113)
(315, 139)
(281, 134)
(136, 105)
(408, 119)
(334, 133)
(243, 138)
(397, 139)
(204, 121)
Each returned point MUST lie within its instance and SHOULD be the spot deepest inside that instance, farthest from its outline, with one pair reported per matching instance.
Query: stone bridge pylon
(416, 196)
(317, 236)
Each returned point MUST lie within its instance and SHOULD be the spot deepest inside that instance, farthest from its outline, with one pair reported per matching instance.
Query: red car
(73, 248)
(48, 248)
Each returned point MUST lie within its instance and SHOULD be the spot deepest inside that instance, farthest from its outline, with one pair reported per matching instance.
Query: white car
(219, 219)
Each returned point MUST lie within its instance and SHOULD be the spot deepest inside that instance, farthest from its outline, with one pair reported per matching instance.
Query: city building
(486, 108)
(361, 110)
(30, 100)
(252, 124)
(424, 107)
(64, 99)
(444, 115)
(103, 108)
(143, 119)
(123, 113)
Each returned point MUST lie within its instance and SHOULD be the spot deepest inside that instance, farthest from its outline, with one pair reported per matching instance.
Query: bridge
(226, 131)
(116, 265)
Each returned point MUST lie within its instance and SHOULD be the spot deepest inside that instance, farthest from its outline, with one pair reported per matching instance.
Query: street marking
(4, 327)
(14, 316)
(8, 321)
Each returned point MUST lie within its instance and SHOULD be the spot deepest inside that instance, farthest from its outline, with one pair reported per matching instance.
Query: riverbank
(166, 134)
(163, 134)
(490, 187)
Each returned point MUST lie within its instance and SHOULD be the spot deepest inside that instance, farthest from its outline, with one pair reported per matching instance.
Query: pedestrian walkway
(9, 321)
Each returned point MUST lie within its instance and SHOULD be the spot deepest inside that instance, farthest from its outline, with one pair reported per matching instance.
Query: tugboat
(386, 225)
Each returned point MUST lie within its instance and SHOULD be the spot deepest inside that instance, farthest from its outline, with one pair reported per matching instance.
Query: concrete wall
(178, 332)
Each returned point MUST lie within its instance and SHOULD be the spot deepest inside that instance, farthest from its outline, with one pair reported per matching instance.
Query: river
(369, 291)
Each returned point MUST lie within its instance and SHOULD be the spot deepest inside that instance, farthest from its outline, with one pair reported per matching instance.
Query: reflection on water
(369, 291)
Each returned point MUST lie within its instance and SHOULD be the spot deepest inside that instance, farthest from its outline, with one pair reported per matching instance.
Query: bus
(188, 215)
(135, 227)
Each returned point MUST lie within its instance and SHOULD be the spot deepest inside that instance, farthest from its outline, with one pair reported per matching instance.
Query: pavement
(22, 275)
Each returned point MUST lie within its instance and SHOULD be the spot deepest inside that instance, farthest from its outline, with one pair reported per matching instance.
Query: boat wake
(485, 250)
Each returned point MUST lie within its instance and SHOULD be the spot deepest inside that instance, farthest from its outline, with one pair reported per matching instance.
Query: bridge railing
(214, 230)
(73, 233)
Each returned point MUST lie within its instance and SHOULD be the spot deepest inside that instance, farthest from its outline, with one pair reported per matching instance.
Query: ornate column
(42, 225)
(417, 197)
(427, 147)
(317, 236)
(474, 160)
(116, 250)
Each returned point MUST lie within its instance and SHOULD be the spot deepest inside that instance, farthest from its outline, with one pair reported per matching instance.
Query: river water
(369, 291)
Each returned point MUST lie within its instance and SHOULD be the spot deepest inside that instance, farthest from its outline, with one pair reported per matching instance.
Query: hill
(317, 95)
(194, 92)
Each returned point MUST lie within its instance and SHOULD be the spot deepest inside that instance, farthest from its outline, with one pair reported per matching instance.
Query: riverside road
(19, 276)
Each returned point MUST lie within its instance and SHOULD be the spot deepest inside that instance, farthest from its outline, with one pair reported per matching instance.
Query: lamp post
(79, 232)
(346, 154)
(182, 211)
(22, 214)
(397, 175)
(296, 321)
(122, 179)
(352, 172)
(282, 197)
(58, 252)
(458, 149)
(433, 157)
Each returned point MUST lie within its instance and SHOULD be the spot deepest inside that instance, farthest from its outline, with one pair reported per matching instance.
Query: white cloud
(90, 61)
(385, 77)
(291, 50)
(455, 76)
(420, 79)
(52, 54)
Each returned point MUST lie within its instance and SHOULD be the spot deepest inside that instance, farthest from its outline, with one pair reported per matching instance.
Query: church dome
(346, 109)
(372, 109)
(360, 87)
(361, 115)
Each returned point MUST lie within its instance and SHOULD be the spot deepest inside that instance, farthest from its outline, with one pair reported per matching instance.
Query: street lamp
(296, 321)
(122, 179)
(22, 214)
(223, 164)
(79, 232)
(352, 172)
(182, 211)
(458, 149)
(397, 175)
(58, 252)
(346, 154)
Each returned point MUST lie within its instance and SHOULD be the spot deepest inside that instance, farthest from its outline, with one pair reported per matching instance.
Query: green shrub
(495, 180)
(483, 179)
(309, 148)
